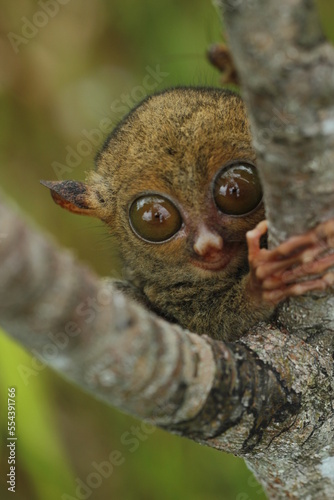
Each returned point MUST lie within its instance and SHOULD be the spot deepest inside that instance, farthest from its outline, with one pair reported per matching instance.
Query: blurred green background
(59, 82)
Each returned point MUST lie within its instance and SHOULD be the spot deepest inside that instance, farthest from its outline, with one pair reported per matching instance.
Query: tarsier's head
(176, 183)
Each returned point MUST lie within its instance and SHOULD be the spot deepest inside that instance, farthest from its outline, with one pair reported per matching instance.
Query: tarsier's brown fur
(174, 143)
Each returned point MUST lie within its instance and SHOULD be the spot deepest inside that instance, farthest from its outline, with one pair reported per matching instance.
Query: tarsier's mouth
(219, 261)
(216, 265)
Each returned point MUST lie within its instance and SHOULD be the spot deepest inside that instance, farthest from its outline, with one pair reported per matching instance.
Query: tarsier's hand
(299, 265)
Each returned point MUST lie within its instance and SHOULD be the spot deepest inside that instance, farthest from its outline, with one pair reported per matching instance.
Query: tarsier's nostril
(207, 241)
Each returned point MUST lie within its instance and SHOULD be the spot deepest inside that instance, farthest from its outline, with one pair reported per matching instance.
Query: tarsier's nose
(208, 244)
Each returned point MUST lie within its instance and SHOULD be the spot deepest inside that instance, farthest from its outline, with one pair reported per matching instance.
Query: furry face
(184, 159)
(174, 145)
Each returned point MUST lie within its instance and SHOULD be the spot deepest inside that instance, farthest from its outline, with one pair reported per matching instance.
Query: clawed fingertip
(262, 226)
(260, 229)
(329, 279)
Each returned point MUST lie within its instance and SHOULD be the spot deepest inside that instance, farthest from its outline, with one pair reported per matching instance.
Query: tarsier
(177, 184)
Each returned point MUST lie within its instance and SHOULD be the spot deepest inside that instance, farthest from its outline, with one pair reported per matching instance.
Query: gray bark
(286, 68)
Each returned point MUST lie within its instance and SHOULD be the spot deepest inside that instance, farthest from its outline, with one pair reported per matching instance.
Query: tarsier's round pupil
(237, 189)
(154, 218)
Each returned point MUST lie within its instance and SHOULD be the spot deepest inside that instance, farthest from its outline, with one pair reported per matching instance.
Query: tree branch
(286, 67)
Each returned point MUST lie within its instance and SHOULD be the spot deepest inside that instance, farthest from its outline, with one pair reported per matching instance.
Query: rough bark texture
(268, 397)
(286, 68)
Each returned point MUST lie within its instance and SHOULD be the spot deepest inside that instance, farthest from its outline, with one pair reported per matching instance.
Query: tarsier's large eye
(237, 189)
(154, 218)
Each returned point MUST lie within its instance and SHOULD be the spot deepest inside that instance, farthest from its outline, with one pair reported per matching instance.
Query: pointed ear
(71, 195)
